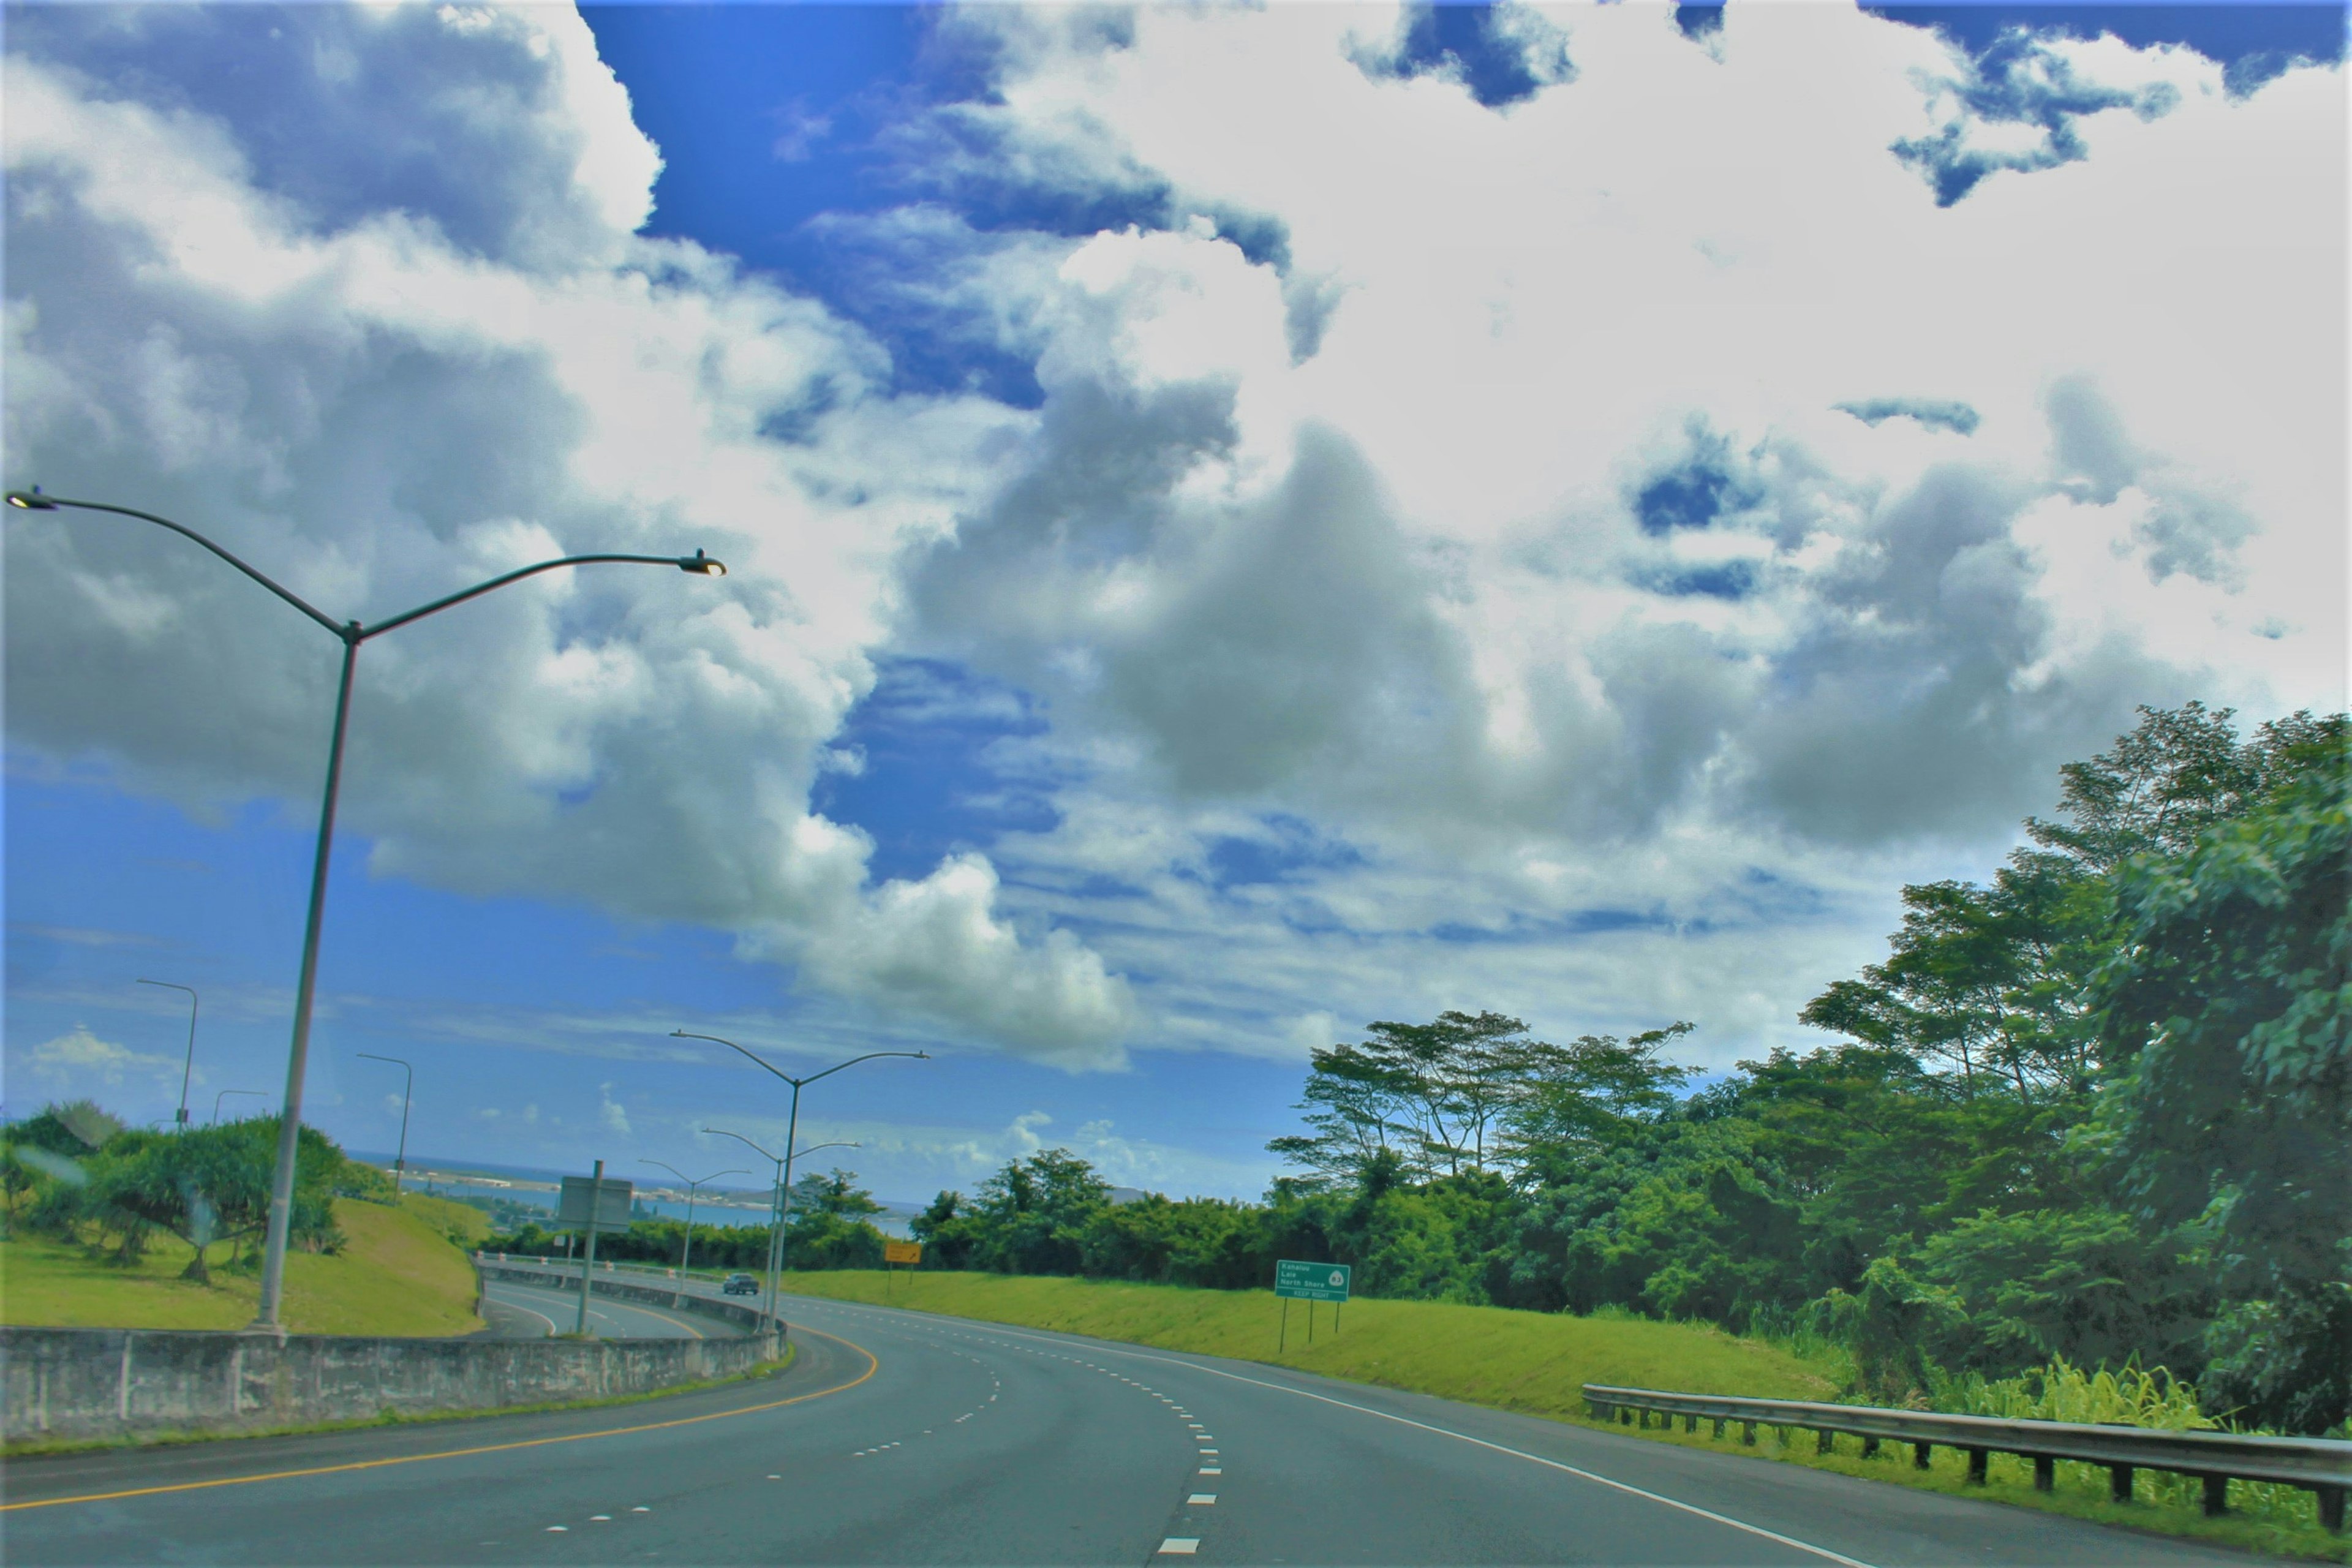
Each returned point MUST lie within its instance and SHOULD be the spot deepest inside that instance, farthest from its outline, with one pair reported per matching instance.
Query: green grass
(399, 1274)
(1535, 1364)
(1530, 1361)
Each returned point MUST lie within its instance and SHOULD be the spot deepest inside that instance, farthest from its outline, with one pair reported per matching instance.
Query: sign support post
(588, 1262)
(592, 1204)
(1309, 1282)
(895, 1253)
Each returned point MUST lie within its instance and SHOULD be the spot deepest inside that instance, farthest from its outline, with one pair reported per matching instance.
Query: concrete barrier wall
(70, 1383)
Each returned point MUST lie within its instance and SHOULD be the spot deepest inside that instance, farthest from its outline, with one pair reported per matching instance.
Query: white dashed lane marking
(1174, 1545)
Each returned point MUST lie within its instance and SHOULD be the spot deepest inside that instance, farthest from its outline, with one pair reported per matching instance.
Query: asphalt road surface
(516, 1312)
(898, 1437)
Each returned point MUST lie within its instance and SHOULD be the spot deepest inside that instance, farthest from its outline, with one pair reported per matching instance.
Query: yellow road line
(872, 1366)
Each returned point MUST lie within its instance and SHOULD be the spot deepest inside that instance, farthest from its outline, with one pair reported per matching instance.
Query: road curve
(519, 1311)
(905, 1437)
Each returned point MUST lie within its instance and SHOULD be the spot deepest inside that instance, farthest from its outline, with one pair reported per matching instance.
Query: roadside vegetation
(2091, 1113)
(1530, 1361)
(107, 1227)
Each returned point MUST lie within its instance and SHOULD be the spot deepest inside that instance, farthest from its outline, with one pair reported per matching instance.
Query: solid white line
(1756, 1529)
(518, 1307)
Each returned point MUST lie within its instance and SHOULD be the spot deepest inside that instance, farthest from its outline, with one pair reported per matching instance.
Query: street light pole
(352, 634)
(188, 1070)
(407, 1095)
(779, 1199)
(686, 1250)
(792, 1130)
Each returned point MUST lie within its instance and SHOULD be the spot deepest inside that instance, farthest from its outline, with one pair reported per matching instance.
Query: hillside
(399, 1273)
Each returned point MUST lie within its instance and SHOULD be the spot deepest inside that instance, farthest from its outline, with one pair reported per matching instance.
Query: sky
(1242, 522)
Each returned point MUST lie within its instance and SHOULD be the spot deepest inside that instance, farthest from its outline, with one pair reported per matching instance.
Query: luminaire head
(34, 500)
(708, 567)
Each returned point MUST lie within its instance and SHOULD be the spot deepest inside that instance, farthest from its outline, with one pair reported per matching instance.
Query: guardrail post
(2045, 1473)
(1975, 1466)
(1919, 1454)
(1748, 1432)
(2331, 1508)
(1718, 1428)
(2217, 1495)
(2119, 1482)
(1690, 1423)
(1824, 1441)
(1870, 1448)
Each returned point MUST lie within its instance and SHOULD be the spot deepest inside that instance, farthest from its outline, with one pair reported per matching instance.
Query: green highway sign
(1310, 1281)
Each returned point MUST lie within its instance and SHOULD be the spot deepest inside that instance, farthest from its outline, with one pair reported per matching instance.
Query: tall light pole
(407, 1095)
(189, 1070)
(686, 1249)
(350, 633)
(224, 1094)
(779, 1199)
(792, 1130)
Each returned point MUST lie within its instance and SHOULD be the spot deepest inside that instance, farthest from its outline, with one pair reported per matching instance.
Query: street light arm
(722, 1133)
(690, 1034)
(919, 1056)
(697, 563)
(36, 501)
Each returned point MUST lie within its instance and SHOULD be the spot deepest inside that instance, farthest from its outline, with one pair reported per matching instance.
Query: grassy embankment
(1536, 1362)
(400, 1273)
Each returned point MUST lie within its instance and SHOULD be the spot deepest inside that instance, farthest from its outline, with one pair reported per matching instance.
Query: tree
(1578, 1098)
(2227, 1013)
(1032, 1215)
(1437, 1093)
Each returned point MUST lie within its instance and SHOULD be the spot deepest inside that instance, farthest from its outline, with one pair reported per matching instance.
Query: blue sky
(1244, 523)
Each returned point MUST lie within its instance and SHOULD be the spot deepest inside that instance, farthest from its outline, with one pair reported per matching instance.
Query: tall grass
(2129, 1396)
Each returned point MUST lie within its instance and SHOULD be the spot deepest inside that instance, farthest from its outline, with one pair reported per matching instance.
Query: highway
(900, 1437)
(533, 1311)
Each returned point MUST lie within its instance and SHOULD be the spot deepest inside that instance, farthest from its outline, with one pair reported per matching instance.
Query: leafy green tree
(1574, 1099)
(2227, 1013)
(947, 1233)
(1031, 1216)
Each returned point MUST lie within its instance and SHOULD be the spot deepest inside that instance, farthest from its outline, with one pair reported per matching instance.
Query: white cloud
(613, 1116)
(382, 376)
(1403, 588)
(1339, 554)
(77, 1059)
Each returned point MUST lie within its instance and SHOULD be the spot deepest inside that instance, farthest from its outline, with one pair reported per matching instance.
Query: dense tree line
(75, 1173)
(2098, 1108)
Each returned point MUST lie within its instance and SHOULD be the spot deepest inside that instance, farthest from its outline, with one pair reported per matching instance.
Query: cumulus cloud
(1482, 539)
(79, 1060)
(383, 366)
(1560, 565)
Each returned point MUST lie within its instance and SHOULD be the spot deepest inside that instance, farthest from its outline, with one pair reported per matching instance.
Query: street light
(187, 1071)
(408, 1094)
(780, 1197)
(686, 1250)
(792, 1130)
(350, 633)
(224, 1094)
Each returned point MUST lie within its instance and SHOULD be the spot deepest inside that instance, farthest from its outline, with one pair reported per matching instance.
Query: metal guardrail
(2319, 1464)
